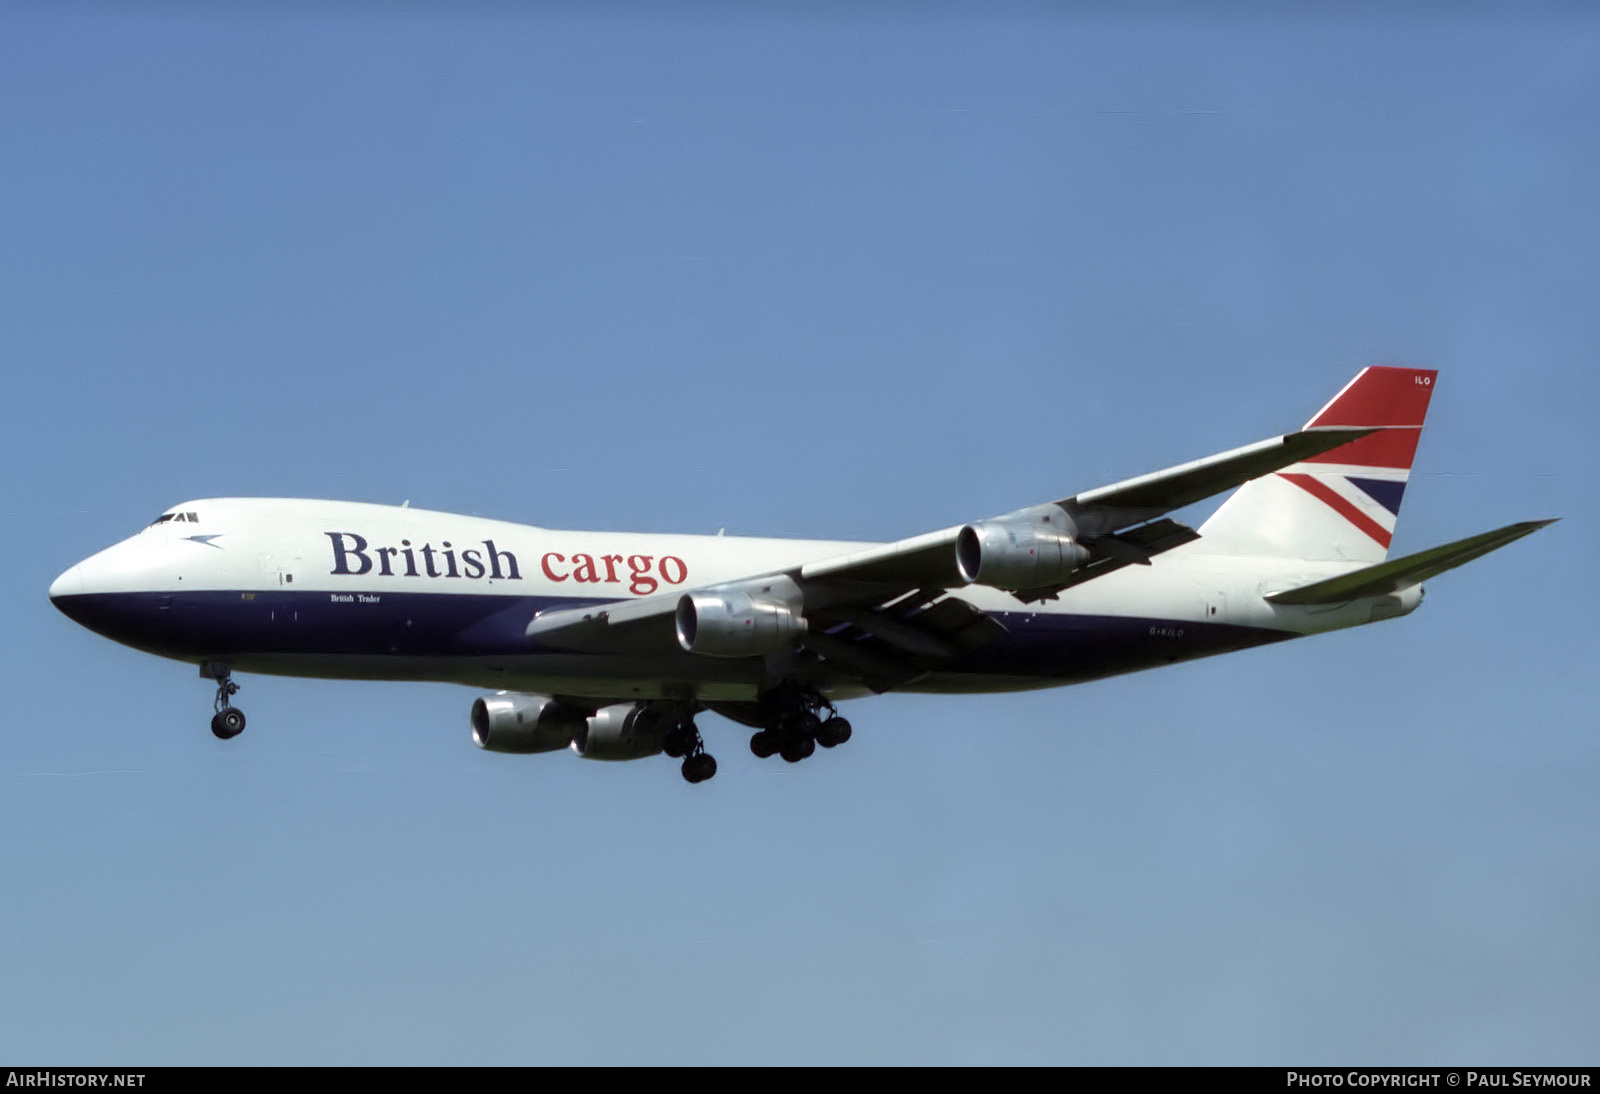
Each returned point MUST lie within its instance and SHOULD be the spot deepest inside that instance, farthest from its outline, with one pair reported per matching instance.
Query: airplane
(610, 644)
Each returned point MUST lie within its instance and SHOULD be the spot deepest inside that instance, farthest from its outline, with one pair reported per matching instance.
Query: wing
(884, 614)
(1114, 523)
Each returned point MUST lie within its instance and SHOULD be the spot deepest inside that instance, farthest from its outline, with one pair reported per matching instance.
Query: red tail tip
(1380, 395)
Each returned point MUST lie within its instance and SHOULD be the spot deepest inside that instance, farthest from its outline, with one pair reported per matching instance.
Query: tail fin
(1341, 505)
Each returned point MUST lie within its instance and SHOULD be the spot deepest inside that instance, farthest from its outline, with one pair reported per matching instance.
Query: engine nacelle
(1032, 549)
(751, 620)
(511, 722)
(627, 731)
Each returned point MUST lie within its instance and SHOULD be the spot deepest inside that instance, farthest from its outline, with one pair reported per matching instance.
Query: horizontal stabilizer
(1390, 577)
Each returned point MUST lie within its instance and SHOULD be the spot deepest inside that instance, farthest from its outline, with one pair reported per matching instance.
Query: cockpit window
(192, 518)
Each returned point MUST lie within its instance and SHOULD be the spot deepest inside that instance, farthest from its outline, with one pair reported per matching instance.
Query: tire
(795, 751)
(227, 723)
(834, 732)
(697, 769)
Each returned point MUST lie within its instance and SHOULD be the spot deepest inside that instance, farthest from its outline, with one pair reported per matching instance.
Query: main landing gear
(228, 722)
(684, 740)
(798, 727)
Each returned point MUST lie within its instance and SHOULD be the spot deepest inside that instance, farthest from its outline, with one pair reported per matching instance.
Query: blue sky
(801, 270)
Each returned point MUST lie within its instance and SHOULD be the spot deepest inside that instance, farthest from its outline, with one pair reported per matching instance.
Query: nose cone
(68, 584)
(67, 593)
(119, 593)
(106, 592)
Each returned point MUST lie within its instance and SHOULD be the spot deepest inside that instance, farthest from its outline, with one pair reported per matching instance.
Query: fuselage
(384, 592)
(362, 591)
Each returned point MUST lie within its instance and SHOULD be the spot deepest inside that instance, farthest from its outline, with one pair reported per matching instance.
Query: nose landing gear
(228, 721)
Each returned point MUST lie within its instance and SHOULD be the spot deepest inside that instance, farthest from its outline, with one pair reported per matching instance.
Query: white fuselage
(356, 590)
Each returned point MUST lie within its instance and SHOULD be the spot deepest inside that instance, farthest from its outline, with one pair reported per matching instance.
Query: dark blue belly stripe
(196, 625)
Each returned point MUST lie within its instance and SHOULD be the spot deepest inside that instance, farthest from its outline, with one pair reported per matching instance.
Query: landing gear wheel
(833, 732)
(795, 751)
(699, 767)
(684, 740)
(227, 723)
(796, 718)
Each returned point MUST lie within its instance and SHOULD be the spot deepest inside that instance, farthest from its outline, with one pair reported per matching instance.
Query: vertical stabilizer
(1341, 505)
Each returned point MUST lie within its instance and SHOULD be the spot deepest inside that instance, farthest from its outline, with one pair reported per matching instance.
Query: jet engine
(627, 731)
(1030, 549)
(750, 620)
(511, 722)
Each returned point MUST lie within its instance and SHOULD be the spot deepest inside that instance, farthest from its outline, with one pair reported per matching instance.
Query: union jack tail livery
(1340, 506)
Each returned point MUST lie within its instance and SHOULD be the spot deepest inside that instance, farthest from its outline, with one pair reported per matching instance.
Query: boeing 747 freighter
(613, 644)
